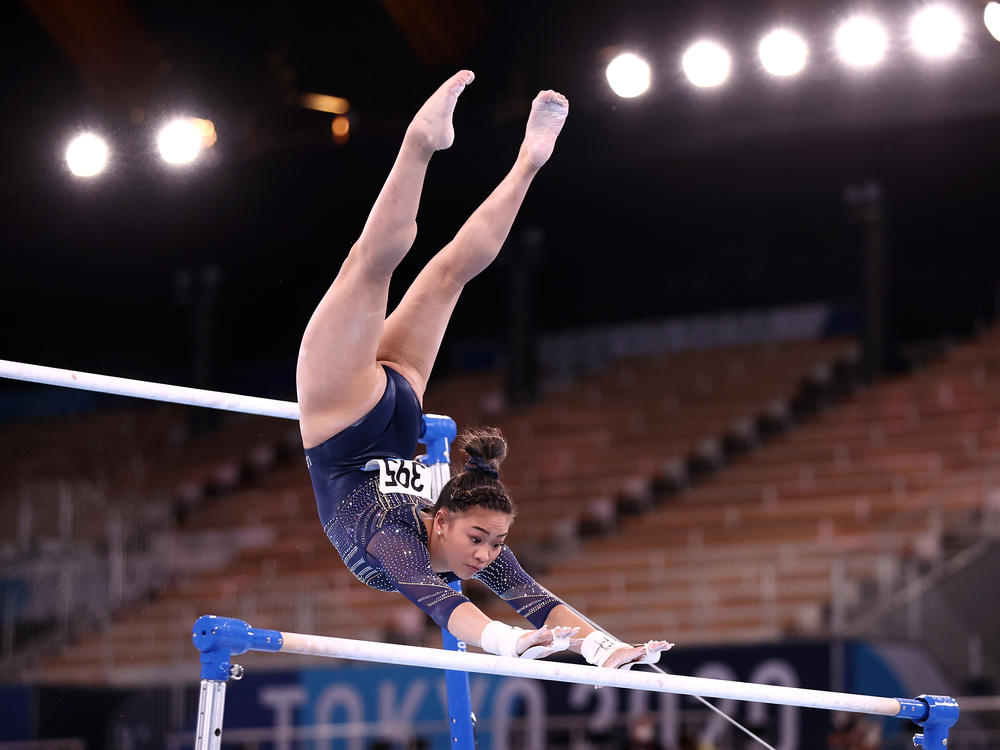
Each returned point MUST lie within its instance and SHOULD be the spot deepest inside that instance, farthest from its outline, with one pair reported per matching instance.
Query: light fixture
(861, 42)
(991, 17)
(87, 155)
(936, 31)
(180, 141)
(706, 64)
(628, 75)
(783, 53)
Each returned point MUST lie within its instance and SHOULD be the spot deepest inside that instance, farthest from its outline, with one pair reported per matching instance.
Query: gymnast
(361, 377)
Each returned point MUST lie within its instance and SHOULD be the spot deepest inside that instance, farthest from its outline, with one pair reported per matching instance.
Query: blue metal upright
(461, 720)
(935, 713)
(438, 435)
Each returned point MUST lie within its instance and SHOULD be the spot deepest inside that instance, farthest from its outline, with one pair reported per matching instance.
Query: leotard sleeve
(507, 579)
(404, 559)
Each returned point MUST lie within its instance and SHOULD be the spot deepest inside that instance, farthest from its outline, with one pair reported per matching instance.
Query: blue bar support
(461, 720)
(438, 434)
(220, 638)
(935, 713)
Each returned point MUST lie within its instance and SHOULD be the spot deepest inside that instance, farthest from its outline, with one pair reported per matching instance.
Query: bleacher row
(139, 464)
(756, 551)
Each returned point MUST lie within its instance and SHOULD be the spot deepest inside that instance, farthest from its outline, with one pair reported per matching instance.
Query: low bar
(416, 656)
(936, 713)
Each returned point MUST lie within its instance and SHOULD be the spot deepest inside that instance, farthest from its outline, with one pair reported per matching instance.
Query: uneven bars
(219, 638)
(174, 394)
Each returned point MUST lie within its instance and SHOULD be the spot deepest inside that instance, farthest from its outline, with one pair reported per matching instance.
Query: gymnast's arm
(509, 581)
(403, 557)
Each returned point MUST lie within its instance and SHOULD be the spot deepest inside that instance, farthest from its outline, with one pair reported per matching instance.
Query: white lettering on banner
(504, 703)
(777, 672)
(345, 697)
(517, 708)
(282, 700)
(716, 726)
(603, 716)
(395, 718)
(670, 721)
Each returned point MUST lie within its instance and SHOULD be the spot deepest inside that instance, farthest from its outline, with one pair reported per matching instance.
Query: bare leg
(413, 332)
(337, 377)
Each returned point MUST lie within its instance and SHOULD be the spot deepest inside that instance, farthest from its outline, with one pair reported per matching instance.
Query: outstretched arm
(507, 579)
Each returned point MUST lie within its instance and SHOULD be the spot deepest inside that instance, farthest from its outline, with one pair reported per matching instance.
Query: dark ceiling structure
(676, 203)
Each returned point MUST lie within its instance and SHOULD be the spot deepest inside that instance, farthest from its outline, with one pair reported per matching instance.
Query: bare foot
(548, 114)
(431, 128)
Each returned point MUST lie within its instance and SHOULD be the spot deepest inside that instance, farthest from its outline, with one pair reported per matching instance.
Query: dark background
(683, 201)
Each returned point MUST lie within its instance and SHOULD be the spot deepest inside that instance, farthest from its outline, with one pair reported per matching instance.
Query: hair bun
(485, 443)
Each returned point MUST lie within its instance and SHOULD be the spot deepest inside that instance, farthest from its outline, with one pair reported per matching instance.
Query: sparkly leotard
(381, 536)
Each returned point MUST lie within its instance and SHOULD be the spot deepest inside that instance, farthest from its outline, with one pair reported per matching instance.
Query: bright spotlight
(180, 141)
(783, 53)
(936, 31)
(87, 155)
(628, 75)
(861, 42)
(706, 64)
(991, 17)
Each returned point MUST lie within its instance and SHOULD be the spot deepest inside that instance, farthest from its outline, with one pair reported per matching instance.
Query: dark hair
(478, 484)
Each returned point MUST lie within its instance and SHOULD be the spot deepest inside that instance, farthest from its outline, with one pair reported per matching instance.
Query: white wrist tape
(598, 647)
(500, 639)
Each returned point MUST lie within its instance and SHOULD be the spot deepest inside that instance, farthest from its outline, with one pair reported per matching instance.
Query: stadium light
(861, 42)
(628, 75)
(87, 155)
(991, 17)
(180, 141)
(936, 31)
(706, 64)
(341, 129)
(783, 52)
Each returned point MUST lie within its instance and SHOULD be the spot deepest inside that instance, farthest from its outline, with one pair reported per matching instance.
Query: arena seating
(772, 546)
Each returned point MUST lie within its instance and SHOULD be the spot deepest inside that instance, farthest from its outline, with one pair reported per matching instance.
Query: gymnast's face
(470, 540)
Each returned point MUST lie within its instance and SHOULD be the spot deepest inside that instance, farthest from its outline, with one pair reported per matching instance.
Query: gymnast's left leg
(413, 332)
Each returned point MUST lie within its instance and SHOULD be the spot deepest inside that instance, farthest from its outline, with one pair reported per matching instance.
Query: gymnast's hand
(604, 650)
(645, 653)
(536, 644)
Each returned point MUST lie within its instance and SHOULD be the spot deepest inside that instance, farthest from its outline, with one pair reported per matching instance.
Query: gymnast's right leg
(337, 377)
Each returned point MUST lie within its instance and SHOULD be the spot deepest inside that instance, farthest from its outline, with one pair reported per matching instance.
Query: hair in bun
(478, 483)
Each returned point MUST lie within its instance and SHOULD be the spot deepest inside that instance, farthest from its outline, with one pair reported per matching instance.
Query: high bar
(174, 394)
(218, 638)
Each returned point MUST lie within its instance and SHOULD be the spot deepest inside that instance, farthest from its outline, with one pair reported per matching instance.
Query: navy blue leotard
(381, 536)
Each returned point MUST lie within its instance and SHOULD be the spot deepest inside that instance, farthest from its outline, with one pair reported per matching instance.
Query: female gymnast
(361, 377)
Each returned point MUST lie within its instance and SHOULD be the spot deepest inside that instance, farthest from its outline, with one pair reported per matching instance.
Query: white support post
(211, 705)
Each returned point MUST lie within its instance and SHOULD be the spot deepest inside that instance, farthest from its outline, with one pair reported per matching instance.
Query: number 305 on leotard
(404, 477)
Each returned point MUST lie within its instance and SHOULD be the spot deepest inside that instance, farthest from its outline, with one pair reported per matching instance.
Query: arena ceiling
(676, 203)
